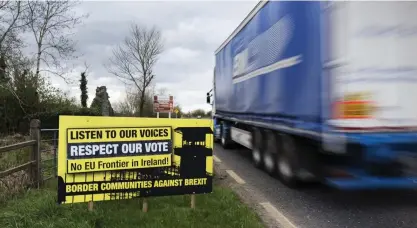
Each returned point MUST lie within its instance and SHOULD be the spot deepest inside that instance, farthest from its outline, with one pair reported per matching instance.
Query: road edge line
(216, 159)
(236, 177)
(279, 216)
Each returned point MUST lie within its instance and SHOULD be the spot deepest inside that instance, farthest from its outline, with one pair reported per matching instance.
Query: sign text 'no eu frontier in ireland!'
(105, 149)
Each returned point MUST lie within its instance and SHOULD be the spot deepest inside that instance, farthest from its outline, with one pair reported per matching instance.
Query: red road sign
(163, 104)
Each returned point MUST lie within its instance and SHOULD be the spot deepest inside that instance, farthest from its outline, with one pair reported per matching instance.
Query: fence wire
(49, 149)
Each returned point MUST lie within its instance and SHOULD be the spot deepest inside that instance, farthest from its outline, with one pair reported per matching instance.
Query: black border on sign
(159, 173)
(66, 144)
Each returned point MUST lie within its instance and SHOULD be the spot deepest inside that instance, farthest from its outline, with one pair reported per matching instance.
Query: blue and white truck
(323, 91)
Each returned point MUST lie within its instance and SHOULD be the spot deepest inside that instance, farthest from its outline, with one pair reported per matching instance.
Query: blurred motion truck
(322, 91)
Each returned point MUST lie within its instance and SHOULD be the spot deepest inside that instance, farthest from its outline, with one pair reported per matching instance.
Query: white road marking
(216, 159)
(235, 176)
(279, 217)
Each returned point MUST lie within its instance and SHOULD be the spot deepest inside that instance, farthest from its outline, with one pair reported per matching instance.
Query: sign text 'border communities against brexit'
(105, 149)
(98, 187)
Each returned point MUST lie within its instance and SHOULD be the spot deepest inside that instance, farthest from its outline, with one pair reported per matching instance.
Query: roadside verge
(38, 208)
(269, 215)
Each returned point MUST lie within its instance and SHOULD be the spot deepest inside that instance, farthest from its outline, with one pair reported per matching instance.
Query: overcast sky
(192, 31)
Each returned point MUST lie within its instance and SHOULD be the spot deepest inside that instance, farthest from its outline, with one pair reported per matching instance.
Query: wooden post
(145, 205)
(193, 201)
(90, 205)
(36, 174)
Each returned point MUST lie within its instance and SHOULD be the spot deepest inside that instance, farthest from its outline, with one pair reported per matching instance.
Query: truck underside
(297, 159)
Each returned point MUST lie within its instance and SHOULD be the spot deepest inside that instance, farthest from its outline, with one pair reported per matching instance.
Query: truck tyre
(270, 153)
(217, 133)
(257, 147)
(287, 162)
(225, 140)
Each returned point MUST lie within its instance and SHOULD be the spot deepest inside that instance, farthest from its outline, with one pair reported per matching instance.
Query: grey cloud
(191, 30)
(102, 33)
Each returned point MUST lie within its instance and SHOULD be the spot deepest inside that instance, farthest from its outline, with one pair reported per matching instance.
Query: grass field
(37, 208)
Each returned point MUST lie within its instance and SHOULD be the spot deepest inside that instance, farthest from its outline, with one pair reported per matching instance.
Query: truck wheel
(217, 133)
(225, 140)
(257, 148)
(287, 164)
(270, 153)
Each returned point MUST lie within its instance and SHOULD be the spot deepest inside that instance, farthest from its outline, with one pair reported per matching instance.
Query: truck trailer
(322, 91)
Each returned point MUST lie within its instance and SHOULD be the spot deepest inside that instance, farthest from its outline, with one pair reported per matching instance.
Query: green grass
(37, 208)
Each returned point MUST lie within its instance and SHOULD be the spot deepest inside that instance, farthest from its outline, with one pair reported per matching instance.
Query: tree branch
(48, 21)
(133, 60)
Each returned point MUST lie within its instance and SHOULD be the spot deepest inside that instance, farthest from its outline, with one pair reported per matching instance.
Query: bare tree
(11, 20)
(134, 60)
(127, 107)
(51, 23)
(162, 91)
(11, 23)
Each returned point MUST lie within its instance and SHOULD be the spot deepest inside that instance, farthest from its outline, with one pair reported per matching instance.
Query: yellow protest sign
(108, 158)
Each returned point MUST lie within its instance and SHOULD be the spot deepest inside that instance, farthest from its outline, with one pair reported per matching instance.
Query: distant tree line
(198, 113)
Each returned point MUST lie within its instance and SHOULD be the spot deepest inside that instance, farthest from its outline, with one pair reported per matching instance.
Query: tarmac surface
(316, 205)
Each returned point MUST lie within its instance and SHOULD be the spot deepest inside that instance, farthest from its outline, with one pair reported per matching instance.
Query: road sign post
(176, 112)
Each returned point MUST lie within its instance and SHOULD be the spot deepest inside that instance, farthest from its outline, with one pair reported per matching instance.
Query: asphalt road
(321, 207)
